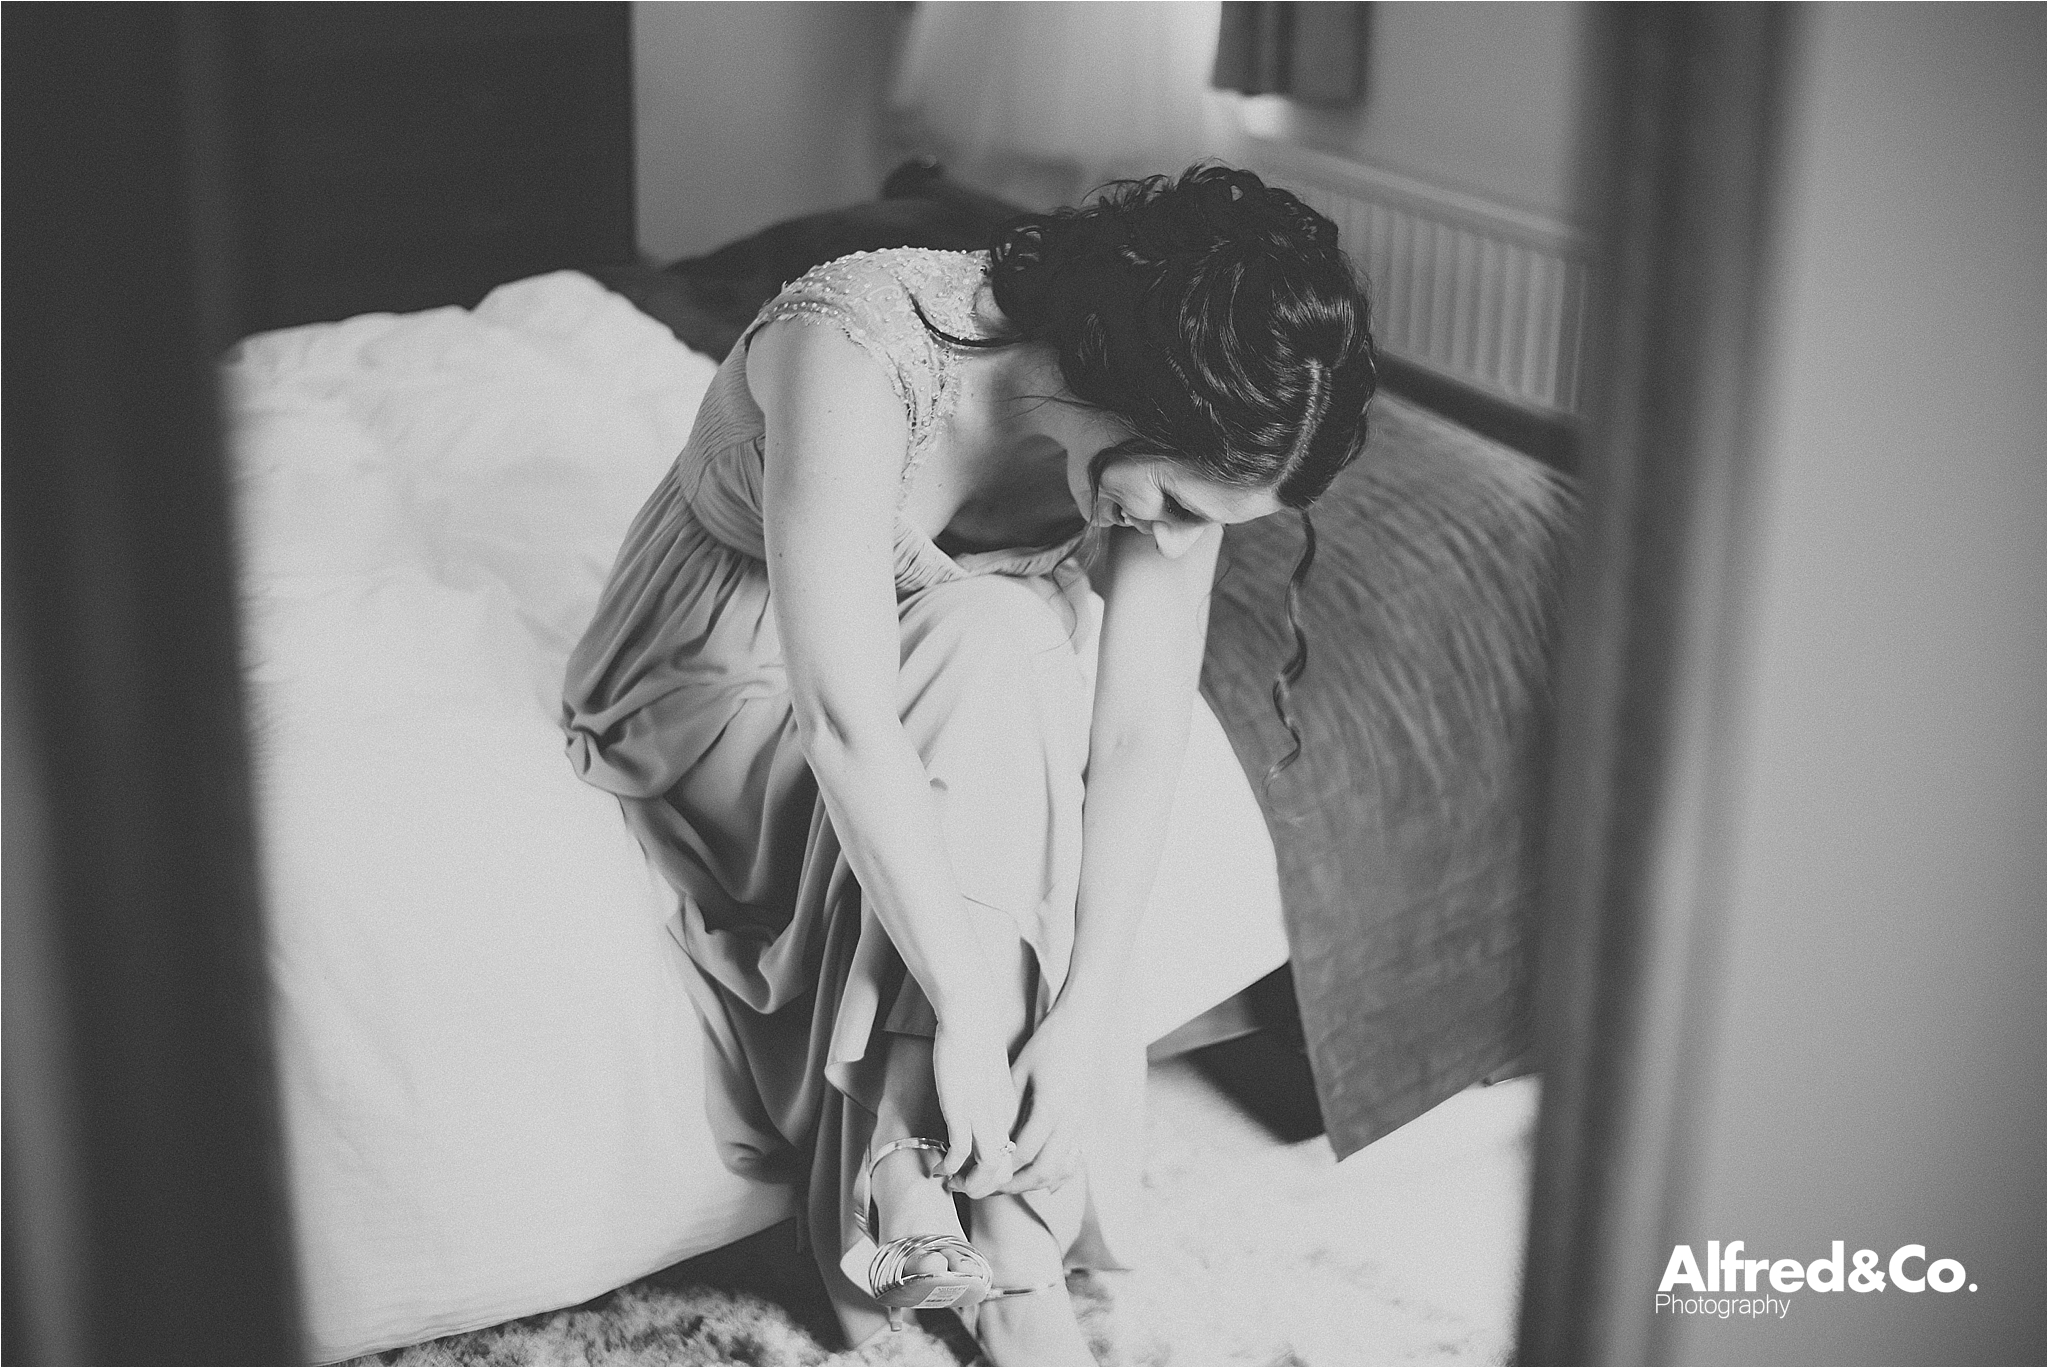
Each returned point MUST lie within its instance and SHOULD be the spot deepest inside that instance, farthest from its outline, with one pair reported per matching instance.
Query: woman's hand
(1055, 1079)
(979, 1103)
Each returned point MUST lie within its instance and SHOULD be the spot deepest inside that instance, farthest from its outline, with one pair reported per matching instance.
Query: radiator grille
(1482, 292)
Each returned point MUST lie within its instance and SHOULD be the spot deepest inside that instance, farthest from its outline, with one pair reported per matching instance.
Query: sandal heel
(881, 1270)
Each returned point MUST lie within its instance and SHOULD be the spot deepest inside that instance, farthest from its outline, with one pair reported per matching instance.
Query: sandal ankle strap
(998, 1293)
(863, 1181)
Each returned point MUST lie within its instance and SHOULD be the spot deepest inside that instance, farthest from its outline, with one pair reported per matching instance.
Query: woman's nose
(1174, 538)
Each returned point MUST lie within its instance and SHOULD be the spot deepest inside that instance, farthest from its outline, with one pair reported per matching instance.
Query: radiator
(1484, 293)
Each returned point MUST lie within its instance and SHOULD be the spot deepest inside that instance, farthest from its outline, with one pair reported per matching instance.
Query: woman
(845, 680)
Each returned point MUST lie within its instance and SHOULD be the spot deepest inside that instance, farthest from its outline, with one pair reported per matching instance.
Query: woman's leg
(908, 1201)
(995, 702)
(1015, 1234)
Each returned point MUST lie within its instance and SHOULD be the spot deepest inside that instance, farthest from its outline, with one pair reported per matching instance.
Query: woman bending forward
(864, 708)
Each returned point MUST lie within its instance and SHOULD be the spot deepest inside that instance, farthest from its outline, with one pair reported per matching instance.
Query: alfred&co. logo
(1737, 1279)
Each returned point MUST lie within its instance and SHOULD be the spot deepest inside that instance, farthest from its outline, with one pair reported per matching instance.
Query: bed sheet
(492, 1075)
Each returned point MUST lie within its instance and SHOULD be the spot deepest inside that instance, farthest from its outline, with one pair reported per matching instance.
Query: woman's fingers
(989, 1173)
(959, 1141)
(1045, 1156)
(1037, 1129)
(976, 1099)
(975, 1164)
(1055, 1165)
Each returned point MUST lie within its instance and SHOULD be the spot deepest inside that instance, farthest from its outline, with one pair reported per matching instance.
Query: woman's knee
(993, 698)
(991, 649)
(993, 622)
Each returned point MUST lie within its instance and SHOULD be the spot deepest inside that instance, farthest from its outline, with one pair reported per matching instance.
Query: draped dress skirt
(678, 702)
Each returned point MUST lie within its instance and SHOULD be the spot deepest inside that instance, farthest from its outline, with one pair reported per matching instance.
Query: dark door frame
(145, 1206)
(1682, 142)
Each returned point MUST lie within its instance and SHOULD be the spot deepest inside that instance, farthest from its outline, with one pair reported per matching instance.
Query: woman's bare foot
(909, 1201)
(1039, 1327)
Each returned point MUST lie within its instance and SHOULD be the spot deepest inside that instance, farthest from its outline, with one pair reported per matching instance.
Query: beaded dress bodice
(872, 298)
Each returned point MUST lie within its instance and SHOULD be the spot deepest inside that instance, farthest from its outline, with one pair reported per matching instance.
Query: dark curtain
(1314, 53)
(142, 1171)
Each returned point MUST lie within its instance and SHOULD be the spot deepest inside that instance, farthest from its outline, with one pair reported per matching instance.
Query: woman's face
(1164, 500)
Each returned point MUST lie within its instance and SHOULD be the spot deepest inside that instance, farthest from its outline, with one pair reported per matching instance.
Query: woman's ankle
(1038, 1327)
(909, 1200)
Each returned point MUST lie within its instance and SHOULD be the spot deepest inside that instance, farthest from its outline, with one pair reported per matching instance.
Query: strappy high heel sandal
(884, 1270)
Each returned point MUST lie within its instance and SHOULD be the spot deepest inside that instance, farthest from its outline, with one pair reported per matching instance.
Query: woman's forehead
(1198, 493)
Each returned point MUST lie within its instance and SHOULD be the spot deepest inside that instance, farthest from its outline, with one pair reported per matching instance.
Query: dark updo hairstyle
(1217, 316)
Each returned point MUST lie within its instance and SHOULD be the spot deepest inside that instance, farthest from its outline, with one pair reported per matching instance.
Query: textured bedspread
(1403, 831)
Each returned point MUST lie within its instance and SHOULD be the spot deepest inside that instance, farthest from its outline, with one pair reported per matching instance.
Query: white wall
(1877, 1040)
(747, 113)
(1475, 97)
(752, 112)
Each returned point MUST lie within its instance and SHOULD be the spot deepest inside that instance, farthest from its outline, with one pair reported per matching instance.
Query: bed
(492, 1079)
(493, 1083)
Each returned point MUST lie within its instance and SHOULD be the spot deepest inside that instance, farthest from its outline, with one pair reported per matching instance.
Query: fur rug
(665, 1325)
(652, 1324)
(1259, 1253)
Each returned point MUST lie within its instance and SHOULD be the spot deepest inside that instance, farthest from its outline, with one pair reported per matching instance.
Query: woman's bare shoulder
(822, 371)
(835, 436)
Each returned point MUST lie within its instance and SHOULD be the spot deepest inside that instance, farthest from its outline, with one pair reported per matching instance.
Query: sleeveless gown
(676, 701)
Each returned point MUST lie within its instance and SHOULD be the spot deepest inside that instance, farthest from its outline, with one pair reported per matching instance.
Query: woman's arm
(1154, 625)
(833, 459)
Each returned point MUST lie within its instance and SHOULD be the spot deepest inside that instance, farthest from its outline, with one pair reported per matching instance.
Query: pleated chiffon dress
(677, 701)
